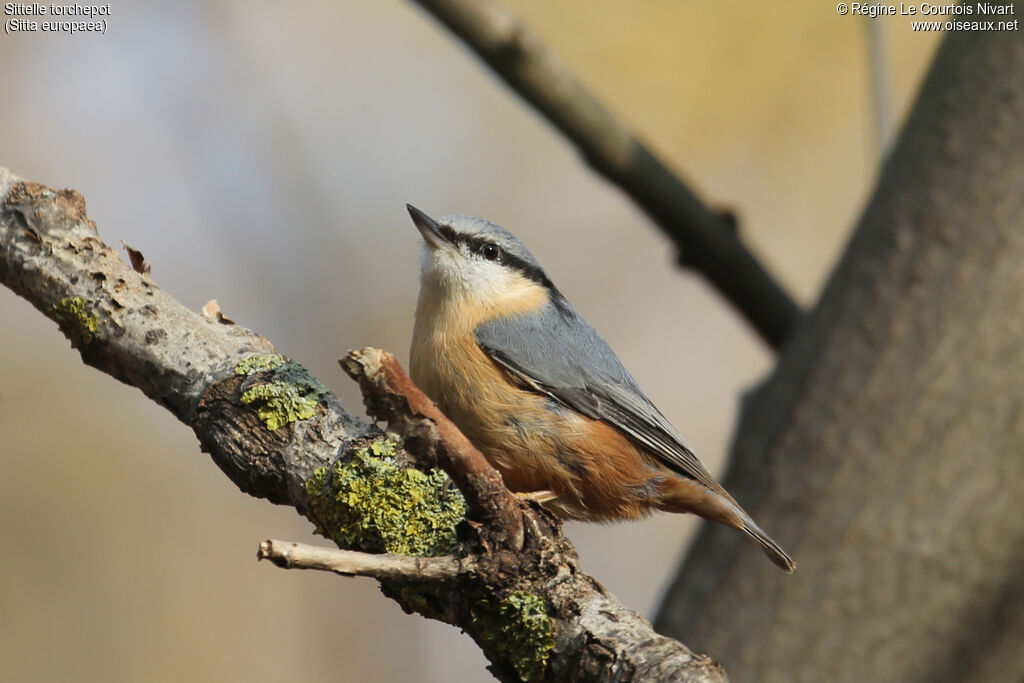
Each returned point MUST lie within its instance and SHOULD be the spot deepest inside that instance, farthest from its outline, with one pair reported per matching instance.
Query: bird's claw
(539, 497)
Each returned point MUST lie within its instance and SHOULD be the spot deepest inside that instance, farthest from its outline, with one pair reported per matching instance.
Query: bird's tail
(713, 502)
(772, 549)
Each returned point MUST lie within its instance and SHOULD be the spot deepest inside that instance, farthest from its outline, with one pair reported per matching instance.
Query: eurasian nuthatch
(541, 394)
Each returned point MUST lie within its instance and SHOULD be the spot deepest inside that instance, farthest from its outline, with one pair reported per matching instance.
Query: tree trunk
(885, 451)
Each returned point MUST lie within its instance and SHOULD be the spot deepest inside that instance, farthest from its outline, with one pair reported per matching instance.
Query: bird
(540, 393)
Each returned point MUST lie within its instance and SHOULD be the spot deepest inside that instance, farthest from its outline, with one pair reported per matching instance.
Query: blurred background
(261, 153)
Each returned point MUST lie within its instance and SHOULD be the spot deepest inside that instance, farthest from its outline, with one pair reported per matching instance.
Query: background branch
(275, 432)
(707, 241)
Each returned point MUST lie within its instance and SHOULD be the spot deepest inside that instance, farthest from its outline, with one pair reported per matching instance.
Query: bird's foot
(539, 497)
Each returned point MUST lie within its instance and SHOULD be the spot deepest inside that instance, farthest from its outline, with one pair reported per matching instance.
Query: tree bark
(886, 449)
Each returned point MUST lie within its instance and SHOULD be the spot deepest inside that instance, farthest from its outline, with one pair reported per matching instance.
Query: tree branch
(706, 240)
(278, 434)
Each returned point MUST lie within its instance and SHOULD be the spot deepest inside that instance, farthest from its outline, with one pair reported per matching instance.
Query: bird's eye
(491, 251)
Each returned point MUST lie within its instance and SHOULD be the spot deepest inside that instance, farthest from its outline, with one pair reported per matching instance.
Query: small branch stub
(393, 397)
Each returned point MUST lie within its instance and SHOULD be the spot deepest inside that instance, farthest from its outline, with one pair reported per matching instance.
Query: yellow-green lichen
(259, 364)
(422, 599)
(281, 390)
(279, 403)
(370, 503)
(74, 320)
(519, 629)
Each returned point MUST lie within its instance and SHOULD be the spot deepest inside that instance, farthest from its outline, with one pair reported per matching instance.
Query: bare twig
(707, 241)
(878, 78)
(291, 555)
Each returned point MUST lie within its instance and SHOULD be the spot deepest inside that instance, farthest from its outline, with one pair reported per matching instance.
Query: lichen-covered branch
(278, 434)
(707, 241)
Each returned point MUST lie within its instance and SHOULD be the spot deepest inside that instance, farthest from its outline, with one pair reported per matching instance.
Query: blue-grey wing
(556, 352)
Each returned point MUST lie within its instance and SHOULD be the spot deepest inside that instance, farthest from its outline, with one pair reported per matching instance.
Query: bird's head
(470, 260)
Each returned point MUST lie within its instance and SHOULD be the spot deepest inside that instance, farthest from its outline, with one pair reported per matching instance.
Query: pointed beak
(428, 227)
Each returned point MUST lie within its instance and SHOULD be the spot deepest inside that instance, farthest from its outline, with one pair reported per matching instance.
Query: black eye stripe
(449, 234)
(477, 244)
